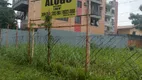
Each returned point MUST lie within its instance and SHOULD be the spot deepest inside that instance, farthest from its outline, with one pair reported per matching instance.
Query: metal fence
(111, 56)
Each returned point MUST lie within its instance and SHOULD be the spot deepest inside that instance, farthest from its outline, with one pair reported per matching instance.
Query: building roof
(126, 27)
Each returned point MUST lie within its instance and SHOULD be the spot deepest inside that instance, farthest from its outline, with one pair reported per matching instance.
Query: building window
(112, 21)
(113, 12)
(94, 22)
(95, 9)
(79, 4)
(63, 19)
(78, 19)
(108, 28)
(134, 33)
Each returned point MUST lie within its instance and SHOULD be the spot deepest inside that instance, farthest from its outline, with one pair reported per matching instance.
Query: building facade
(111, 17)
(21, 6)
(97, 11)
(131, 30)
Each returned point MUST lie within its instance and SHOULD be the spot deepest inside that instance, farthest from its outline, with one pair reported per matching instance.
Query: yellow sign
(59, 8)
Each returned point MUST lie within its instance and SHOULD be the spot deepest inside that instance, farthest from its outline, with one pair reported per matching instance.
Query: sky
(125, 7)
(10, 1)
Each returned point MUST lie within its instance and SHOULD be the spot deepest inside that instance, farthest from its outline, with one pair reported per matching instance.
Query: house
(131, 30)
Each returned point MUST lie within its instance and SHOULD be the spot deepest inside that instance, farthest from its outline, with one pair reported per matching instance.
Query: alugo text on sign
(56, 2)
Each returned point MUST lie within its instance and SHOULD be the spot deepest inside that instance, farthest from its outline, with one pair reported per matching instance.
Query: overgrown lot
(67, 63)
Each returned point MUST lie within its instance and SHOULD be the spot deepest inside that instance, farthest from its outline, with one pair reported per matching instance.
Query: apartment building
(111, 17)
(97, 11)
(21, 6)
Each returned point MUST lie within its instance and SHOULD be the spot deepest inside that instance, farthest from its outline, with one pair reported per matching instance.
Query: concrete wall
(22, 36)
(66, 37)
(123, 31)
(111, 41)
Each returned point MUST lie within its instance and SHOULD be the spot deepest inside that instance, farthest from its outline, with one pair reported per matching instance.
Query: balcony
(95, 16)
(20, 5)
(109, 30)
(97, 1)
(109, 14)
(108, 24)
(112, 3)
(19, 15)
(113, 8)
(95, 10)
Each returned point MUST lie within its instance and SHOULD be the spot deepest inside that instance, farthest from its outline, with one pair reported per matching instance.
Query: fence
(110, 55)
(69, 37)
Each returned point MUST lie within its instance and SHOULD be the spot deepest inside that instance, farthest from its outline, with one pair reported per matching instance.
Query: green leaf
(7, 15)
(136, 19)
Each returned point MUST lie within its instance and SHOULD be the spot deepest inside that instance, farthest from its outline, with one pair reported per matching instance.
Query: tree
(136, 19)
(141, 7)
(7, 15)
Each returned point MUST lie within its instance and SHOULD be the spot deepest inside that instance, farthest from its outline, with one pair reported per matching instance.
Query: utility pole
(87, 39)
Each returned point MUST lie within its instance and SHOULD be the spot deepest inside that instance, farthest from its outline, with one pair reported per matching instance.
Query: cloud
(125, 8)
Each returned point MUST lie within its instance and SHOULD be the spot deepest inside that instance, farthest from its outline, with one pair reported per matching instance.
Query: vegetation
(67, 63)
(7, 15)
(10, 71)
(136, 19)
(141, 7)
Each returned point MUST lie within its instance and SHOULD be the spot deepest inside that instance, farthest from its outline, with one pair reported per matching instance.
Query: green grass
(11, 71)
(67, 63)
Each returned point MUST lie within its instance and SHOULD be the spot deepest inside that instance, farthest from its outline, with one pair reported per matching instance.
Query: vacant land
(67, 63)
(12, 71)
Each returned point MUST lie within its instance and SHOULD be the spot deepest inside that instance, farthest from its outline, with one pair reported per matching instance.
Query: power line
(129, 12)
(124, 21)
(128, 2)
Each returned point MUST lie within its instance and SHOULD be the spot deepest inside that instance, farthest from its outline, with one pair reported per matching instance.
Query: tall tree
(7, 15)
(136, 19)
(141, 7)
